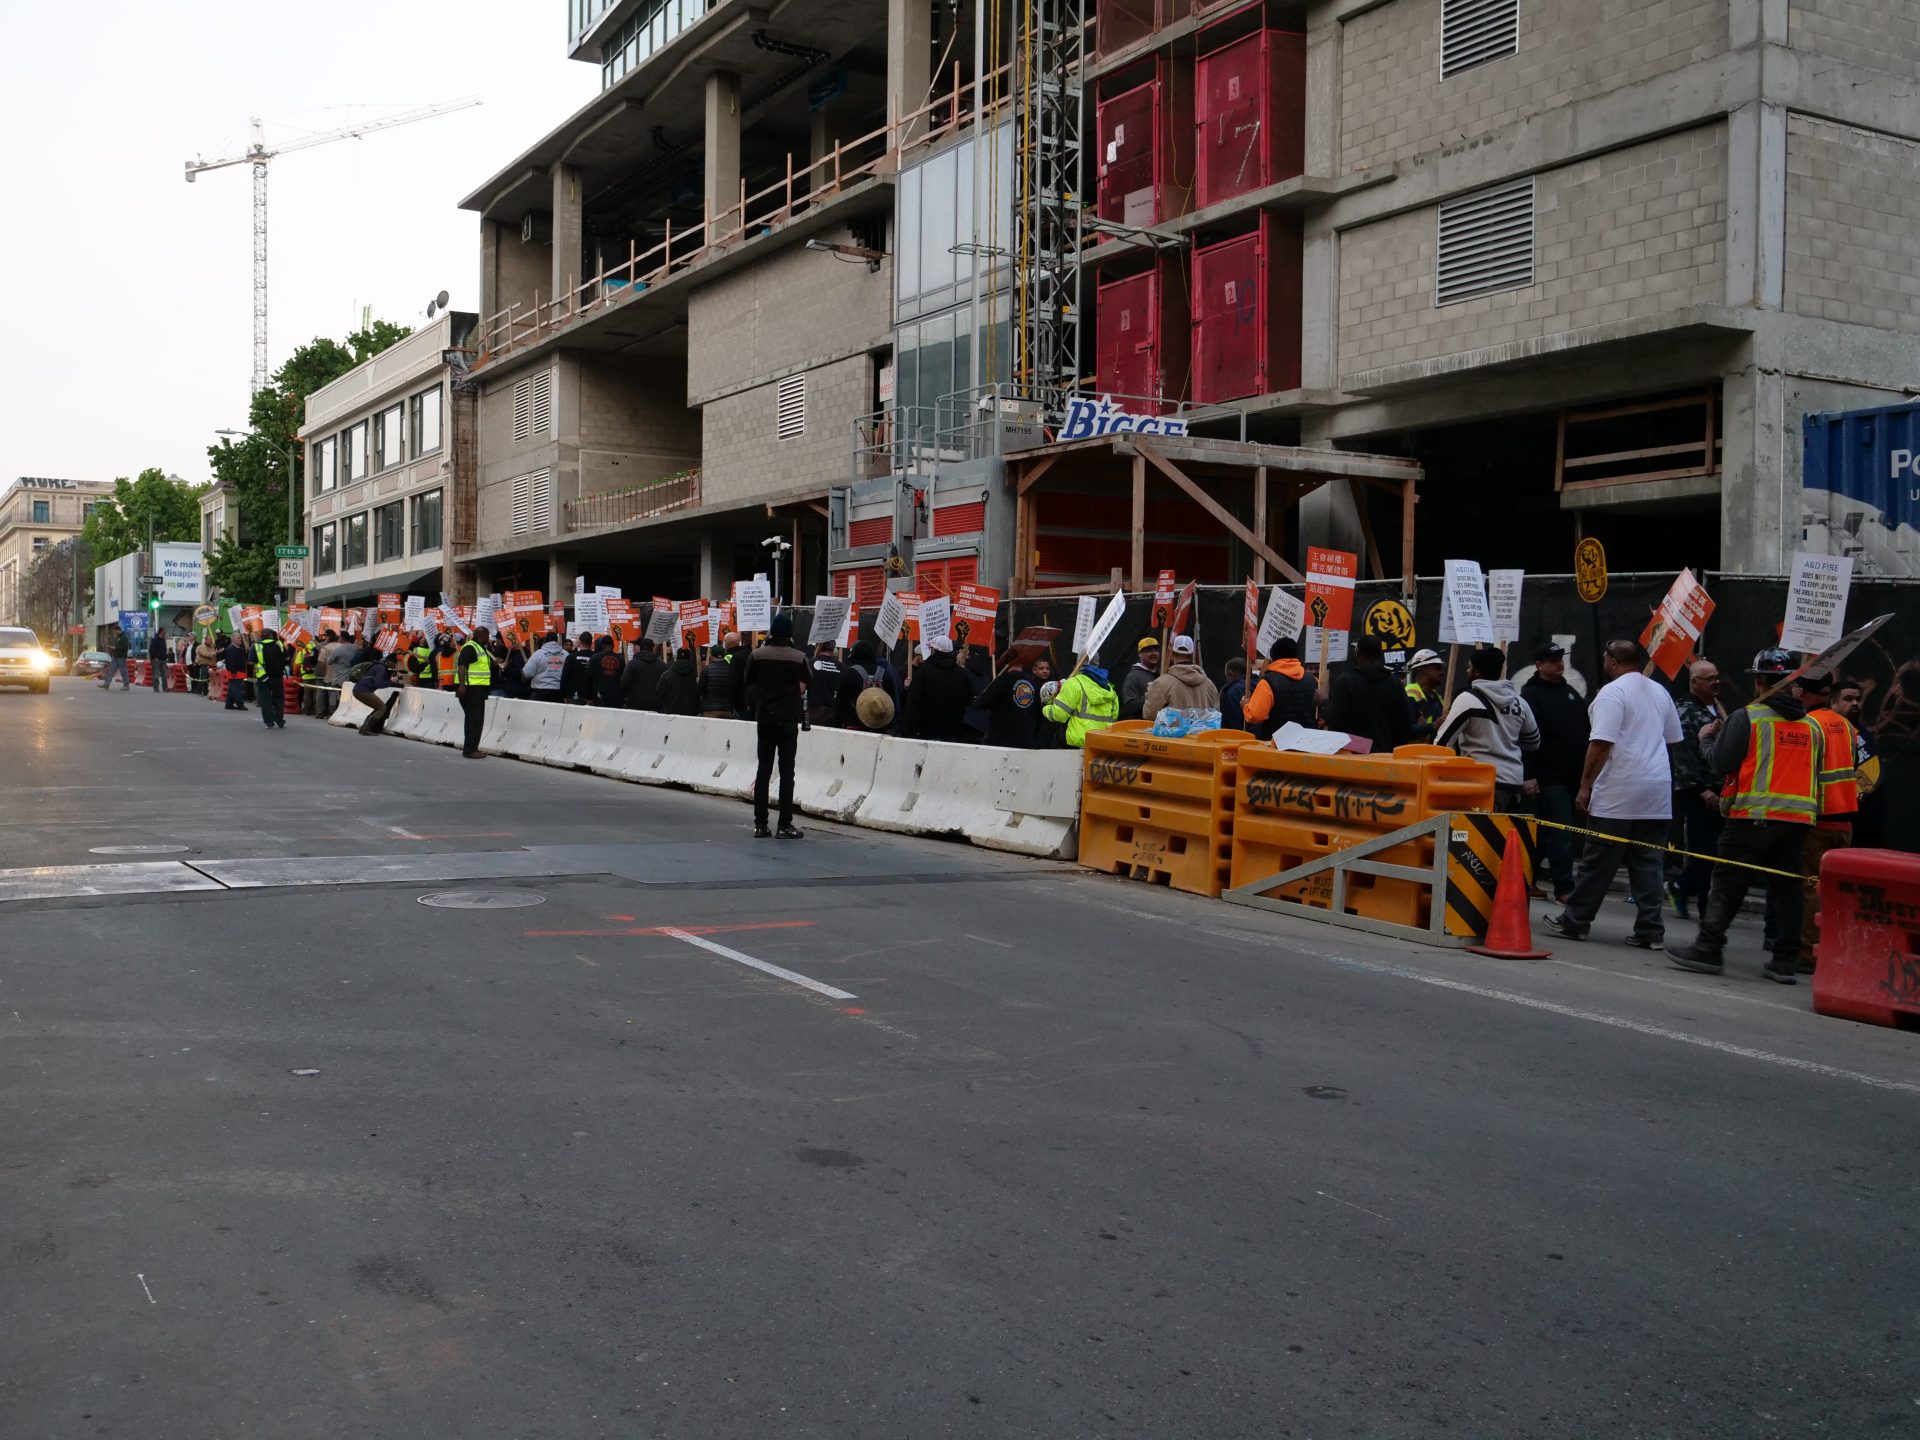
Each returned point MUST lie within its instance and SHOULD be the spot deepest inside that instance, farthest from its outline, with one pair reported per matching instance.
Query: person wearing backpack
(1491, 723)
(859, 677)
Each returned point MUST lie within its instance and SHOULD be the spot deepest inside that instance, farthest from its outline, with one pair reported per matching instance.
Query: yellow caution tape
(1670, 849)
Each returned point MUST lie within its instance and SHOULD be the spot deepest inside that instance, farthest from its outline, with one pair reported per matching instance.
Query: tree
(50, 599)
(119, 526)
(257, 463)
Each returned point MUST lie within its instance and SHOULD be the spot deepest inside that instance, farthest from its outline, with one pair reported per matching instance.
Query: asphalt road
(1011, 1149)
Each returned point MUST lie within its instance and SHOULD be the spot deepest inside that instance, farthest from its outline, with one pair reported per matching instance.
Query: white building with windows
(390, 473)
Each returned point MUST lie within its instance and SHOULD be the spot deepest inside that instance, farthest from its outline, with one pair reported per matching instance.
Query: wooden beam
(1366, 530)
(1407, 501)
(1040, 468)
(1139, 522)
(1260, 520)
(1214, 508)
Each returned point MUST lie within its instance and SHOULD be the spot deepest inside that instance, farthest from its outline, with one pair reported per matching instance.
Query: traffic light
(153, 603)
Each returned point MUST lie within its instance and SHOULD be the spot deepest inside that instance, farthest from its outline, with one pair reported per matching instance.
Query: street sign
(291, 552)
(293, 574)
(1590, 570)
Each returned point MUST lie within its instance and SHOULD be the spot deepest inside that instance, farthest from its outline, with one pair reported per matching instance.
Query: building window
(643, 34)
(790, 408)
(353, 454)
(1485, 243)
(533, 407)
(43, 512)
(532, 502)
(1473, 32)
(386, 437)
(39, 544)
(325, 557)
(426, 521)
(206, 530)
(389, 532)
(353, 544)
(426, 422)
(325, 477)
(86, 511)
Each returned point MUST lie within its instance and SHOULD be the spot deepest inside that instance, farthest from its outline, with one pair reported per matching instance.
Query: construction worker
(1844, 751)
(1426, 684)
(1084, 702)
(472, 678)
(1771, 756)
(269, 680)
(420, 666)
(446, 661)
(303, 672)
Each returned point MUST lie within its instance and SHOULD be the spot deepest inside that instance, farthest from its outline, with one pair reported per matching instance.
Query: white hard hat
(1424, 657)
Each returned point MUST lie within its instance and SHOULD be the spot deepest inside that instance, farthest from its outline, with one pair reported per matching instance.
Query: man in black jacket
(938, 698)
(640, 681)
(1553, 770)
(823, 691)
(269, 680)
(776, 681)
(720, 681)
(574, 686)
(1366, 700)
(1012, 703)
(157, 660)
(603, 674)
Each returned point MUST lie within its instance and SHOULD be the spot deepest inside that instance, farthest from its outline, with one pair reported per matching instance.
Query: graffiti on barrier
(1370, 803)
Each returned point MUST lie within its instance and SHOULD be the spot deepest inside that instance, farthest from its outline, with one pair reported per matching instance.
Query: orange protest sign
(974, 610)
(1331, 575)
(1163, 599)
(910, 612)
(391, 608)
(1675, 627)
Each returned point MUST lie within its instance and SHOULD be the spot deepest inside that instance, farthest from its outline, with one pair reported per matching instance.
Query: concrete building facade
(391, 465)
(37, 513)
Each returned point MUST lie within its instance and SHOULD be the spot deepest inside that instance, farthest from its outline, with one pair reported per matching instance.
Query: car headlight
(40, 660)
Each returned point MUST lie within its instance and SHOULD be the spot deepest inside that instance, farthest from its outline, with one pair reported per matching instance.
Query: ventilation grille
(532, 502)
(790, 408)
(533, 406)
(1485, 244)
(1473, 32)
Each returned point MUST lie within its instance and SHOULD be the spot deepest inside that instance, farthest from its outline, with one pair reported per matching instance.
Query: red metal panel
(1246, 321)
(966, 519)
(875, 531)
(870, 585)
(1143, 347)
(1249, 113)
(1144, 165)
(1081, 537)
(938, 577)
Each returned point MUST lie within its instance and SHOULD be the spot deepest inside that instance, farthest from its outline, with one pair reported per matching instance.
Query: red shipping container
(1246, 313)
(1145, 160)
(1145, 345)
(1250, 114)
(1121, 23)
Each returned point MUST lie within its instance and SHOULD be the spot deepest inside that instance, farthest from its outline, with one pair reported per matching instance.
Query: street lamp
(287, 453)
(776, 547)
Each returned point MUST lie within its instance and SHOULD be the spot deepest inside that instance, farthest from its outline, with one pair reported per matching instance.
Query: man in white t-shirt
(1626, 788)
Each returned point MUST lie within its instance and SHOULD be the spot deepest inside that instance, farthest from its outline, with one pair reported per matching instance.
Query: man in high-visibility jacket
(1844, 752)
(303, 672)
(1771, 756)
(269, 680)
(473, 677)
(420, 666)
(1084, 702)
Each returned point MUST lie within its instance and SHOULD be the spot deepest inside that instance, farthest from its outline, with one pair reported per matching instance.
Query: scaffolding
(1046, 221)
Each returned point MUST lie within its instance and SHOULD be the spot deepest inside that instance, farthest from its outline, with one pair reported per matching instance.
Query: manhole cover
(137, 850)
(483, 899)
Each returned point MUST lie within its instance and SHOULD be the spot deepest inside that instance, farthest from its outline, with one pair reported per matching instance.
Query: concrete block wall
(1632, 233)
(636, 411)
(1394, 105)
(741, 460)
(1880, 34)
(795, 310)
(1853, 225)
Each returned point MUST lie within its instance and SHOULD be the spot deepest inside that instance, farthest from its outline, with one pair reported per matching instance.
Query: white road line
(405, 834)
(143, 1285)
(761, 965)
(1620, 1022)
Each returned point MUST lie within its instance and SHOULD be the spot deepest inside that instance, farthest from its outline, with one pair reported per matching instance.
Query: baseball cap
(940, 645)
(1548, 651)
(1183, 645)
(1150, 643)
(1424, 657)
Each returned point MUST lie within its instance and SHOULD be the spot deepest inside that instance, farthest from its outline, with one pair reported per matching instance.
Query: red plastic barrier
(1868, 958)
(177, 679)
(290, 689)
(140, 672)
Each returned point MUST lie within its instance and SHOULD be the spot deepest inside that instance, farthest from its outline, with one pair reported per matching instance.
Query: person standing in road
(1426, 694)
(117, 652)
(1133, 686)
(233, 659)
(1843, 752)
(270, 680)
(157, 661)
(1365, 700)
(472, 679)
(1553, 770)
(1626, 790)
(1283, 692)
(776, 680)
(1085, 702)
(1696, 800)
(1774, 755)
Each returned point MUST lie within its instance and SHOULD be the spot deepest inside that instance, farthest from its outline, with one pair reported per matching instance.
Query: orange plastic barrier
(177, 678)
(1867, 964)
(1159, 810)
(1292, 808)
(140, 672)
(290, 694)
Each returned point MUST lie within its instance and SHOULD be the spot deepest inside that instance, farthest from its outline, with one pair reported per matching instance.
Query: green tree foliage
(256, 463)
(119, 526)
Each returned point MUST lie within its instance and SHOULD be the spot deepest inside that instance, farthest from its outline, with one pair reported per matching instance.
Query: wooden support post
(1214, 508)
(1407, 501)
(1260, 521)
(1139, 521)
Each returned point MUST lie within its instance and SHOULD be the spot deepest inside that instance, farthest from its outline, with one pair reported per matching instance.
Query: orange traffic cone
(1510, 929)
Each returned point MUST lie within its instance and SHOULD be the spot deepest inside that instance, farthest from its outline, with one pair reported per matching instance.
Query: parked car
(91, 663)
(22, 661)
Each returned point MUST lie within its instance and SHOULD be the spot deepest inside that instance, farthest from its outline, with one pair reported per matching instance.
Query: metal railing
(634, 502)
(882, 150)
(999, 418)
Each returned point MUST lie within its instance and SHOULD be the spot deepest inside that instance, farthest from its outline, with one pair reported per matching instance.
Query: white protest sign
(416, 611)
(1464, 618)
(579, 584)
(714, 626)
(1296, 737)
(936, 618)
(270, 619)
(755, 605)
(590, 612)
(829, 619)
(1314, 639)
(1083, 622)
(1116, 607)
(1816, 602)
(608, 592)
(1285, 615)
(663, 625)
(483, 611)
(1503, 603)
(893, 614)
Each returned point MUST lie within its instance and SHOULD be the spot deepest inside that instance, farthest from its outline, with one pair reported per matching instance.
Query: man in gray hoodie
(1490, 722)
(544, 668)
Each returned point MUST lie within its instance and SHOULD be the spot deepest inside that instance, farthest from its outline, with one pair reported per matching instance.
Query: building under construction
(829, 274)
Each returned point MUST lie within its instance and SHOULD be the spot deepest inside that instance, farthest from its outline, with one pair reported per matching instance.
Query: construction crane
(257, 154)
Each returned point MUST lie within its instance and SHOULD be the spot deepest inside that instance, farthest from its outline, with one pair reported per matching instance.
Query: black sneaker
(1779, 975)
(1561, 928)
(1646, 942)
(787, 832)
(1696, 958)
(761, 832)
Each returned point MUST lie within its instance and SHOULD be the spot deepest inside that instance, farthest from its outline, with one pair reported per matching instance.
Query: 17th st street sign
(291, 552)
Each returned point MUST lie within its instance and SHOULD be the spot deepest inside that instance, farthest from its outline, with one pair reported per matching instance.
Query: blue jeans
(1556, 804)
(116, 666)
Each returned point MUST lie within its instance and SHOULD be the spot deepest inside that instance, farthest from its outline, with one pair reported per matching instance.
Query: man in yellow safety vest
(473, 677)
(1085, 702)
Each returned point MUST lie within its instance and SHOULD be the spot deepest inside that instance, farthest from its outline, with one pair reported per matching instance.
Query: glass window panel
(906, 249)
(426, 421)
(937, 234)
(354, 547)
(426, 521)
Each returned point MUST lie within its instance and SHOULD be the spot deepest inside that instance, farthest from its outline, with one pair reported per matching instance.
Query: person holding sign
(1366, 700)
(1133, 689)
(1084, 702)
(776, 681)
(1489, 722)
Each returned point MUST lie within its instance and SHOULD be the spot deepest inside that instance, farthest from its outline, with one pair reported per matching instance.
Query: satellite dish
(440, 300)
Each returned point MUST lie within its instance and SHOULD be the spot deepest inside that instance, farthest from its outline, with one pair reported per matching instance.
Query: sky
(130, 316)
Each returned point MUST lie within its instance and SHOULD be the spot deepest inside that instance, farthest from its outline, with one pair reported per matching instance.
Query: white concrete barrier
(833, 771)
(599, 739)
(496, 733)
(349, 711)
(895, 796)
